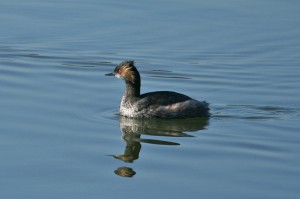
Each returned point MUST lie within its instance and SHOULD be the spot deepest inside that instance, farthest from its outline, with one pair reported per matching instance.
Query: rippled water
(61, 136)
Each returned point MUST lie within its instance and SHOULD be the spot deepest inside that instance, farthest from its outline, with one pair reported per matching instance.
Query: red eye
(120, 71)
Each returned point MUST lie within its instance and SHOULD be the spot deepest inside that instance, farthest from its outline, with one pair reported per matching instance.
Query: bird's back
(164, 104)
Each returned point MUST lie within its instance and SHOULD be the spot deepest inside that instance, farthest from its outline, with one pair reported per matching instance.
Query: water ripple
(254, 112)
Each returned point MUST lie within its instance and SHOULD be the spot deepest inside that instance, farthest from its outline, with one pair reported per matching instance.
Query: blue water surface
(60, 132)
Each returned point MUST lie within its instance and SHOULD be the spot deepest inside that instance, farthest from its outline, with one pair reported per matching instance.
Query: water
(60, 134)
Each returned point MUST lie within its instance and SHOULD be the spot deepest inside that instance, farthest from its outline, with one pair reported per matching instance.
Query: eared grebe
(160, 104)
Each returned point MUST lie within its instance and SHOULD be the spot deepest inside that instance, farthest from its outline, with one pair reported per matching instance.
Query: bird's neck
(132, 90)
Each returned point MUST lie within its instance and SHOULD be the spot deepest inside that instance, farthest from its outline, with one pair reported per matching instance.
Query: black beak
(110, 74)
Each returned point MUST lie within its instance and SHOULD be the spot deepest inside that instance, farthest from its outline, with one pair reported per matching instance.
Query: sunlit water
(61, 136)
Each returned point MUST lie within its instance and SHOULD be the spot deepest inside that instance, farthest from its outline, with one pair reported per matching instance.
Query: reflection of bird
(161, 104)
(125, 172)
(133, 128)
(133, 148)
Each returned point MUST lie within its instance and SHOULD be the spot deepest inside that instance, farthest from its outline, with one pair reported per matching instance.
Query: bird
(158, 104)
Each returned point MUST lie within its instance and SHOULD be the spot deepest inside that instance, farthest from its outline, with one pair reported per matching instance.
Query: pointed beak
(111, 74)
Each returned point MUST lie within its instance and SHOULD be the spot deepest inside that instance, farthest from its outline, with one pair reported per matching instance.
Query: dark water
(61, 137)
